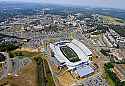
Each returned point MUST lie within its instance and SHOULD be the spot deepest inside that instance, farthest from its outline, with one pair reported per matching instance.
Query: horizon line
(67, 5)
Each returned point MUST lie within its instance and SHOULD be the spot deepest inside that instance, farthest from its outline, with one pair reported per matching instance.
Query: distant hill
(58, 8)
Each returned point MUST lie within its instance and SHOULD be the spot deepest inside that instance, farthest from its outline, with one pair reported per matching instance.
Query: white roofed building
(74, 55)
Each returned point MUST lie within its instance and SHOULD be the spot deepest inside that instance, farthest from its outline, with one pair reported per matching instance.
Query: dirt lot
(27, 77)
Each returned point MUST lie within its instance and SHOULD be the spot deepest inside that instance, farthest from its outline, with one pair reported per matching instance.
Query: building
(73, 55)
(121, 42)
(119, 70)
(114, 39)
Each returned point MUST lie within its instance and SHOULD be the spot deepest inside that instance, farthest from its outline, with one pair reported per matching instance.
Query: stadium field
(69, 54)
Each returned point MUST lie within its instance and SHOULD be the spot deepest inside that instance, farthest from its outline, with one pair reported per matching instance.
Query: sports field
(69, 54)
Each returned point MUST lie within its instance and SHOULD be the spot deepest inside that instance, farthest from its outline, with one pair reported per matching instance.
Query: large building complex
(119, 71)
(74, 55)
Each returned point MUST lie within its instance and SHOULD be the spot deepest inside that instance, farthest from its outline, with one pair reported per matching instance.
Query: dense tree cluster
(112, 75)
(119, 29)
(8, 47)
(40, 70)
(2, 57)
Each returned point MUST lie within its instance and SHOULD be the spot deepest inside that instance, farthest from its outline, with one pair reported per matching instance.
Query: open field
(36, 73)
(27, 77)
(113, 20)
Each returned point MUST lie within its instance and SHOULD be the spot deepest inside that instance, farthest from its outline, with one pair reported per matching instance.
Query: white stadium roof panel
(79, 52)
(58, 53)
(82, 46)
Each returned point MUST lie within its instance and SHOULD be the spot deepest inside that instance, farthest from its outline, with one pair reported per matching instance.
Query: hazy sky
(102, 3)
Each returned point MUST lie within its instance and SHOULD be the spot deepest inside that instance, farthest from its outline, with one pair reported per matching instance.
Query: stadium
(74, 55)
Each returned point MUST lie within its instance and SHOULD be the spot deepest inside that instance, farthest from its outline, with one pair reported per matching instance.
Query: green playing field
(69, 54)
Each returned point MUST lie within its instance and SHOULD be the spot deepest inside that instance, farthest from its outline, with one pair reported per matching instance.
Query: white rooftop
(80, 49)
(82, 46)
(85, 70)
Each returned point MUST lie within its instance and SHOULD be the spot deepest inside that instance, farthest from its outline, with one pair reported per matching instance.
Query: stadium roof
(82, 46)
(80, 51)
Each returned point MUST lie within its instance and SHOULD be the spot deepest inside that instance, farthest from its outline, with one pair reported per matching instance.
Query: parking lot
(95, 81)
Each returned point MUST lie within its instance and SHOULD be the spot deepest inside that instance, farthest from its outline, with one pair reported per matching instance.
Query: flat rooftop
(119, 70)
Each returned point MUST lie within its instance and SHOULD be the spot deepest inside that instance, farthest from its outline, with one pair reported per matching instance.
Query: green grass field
(113, 20)
(69, 54)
